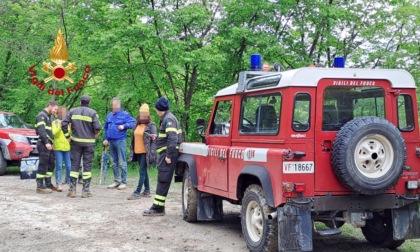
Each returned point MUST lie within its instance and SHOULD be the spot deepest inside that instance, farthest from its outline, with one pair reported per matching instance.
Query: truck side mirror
(201, 128)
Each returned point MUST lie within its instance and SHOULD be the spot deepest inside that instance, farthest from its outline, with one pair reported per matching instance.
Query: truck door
(326, 127)
(215, 174)
(338, 102)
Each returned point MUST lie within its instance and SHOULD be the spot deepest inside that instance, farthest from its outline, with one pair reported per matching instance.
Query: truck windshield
(11, 121)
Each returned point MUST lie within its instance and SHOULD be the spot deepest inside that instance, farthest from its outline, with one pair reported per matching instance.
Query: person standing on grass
(167, 146)
(143, 150)
(45, 148)
(61, 149)
(116, 125)
(85, 127)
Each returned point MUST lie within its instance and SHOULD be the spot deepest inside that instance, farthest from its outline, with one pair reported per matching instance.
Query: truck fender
(263, 176)
(186, 159)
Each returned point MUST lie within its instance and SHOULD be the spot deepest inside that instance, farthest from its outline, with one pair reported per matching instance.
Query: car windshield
(11, 121)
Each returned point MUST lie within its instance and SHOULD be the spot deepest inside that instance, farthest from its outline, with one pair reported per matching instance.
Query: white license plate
(298, 167)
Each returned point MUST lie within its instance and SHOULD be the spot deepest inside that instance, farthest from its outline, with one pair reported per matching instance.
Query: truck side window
(221, 121)
(405, 112)
(260, 114)
(301, 112)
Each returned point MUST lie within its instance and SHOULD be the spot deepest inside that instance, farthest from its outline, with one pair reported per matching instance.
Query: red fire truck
(331, 145)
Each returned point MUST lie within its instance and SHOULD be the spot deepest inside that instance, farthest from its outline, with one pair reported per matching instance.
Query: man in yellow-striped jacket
(85, 127)
(167, 146)
(45, 148)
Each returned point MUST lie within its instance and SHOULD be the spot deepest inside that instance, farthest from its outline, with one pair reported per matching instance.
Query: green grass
(348, 231)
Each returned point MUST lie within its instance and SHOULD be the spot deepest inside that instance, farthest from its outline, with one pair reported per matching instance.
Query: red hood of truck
(25, 132)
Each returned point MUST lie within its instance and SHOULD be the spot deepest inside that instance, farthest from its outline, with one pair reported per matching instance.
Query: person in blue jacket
(117, 123)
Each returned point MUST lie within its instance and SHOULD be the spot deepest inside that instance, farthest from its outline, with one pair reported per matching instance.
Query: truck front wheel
(189, 198)
(3, 164)
(379, 231)
(260, 233)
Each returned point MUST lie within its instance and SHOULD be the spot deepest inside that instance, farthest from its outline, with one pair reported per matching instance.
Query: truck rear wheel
(379, 231)
(260, 233)
(3, 164)
(189, 198)
(368, 155)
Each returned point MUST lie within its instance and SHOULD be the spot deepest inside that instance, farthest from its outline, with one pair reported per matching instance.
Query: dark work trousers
(77, 152)
(46, 161)
(165, 174)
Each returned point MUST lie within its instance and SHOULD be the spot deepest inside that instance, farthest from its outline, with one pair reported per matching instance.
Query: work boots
(49, 185)
(85, 191)
(155, 210)
(40, 187)
(72, 188)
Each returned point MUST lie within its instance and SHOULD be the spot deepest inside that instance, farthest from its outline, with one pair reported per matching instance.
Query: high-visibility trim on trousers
(48, 174)
(158, 197)
(159, 200)
(38, 176)
(74, 174)
(158, 203)
(87, 175)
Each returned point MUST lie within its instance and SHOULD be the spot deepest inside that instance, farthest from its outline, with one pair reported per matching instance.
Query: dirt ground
(110, 222)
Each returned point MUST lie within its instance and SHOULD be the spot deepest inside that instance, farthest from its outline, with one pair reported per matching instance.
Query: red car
(17, 141)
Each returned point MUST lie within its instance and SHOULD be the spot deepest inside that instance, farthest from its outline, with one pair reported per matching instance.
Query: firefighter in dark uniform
(45, 148)
(85, 127)
(167, 146)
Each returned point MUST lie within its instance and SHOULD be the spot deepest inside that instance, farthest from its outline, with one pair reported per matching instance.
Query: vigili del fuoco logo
(58, 71)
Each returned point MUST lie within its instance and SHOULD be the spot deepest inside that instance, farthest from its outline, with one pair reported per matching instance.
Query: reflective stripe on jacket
(43, 127)
(169, 135)
(84, 123)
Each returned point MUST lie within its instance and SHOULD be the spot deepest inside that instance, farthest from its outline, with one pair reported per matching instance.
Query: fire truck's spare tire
(189, 198)
(260, 232)
(368, 155)
(3, 164)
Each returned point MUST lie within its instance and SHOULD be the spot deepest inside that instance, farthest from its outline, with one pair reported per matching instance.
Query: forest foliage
(187, 50)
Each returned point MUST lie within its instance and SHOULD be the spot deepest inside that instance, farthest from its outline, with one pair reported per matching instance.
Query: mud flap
(209, 208)
(406, 222)
(294, 228)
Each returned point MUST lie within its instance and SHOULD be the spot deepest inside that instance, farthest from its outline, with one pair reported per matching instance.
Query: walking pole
(102, 165)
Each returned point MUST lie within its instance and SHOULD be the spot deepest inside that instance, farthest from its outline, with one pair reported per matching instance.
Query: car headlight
(18, 138)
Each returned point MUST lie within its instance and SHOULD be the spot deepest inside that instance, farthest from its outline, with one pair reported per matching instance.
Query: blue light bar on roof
(339, 62)
(256, 62)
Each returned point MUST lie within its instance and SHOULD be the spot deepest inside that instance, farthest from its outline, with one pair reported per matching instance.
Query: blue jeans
(117, 150)
(59, 157)
(143, 175)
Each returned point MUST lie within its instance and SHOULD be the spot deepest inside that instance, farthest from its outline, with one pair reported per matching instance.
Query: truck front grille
(32, 140)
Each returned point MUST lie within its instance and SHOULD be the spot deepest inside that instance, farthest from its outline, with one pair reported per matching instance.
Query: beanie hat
(162, 104)
(144, 108)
